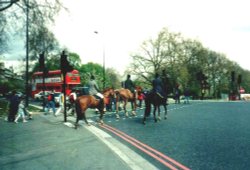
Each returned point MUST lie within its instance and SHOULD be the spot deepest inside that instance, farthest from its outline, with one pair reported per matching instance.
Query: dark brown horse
(125, 96)
(88, 101)
(156, 100)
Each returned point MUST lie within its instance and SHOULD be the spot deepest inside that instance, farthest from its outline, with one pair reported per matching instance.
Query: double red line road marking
(165, 160)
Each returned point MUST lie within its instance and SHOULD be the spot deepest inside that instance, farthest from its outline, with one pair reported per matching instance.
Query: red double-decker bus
(54, 81)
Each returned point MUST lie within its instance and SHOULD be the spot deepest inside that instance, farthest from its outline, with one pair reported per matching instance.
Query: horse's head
(138, 89)
(109, 92)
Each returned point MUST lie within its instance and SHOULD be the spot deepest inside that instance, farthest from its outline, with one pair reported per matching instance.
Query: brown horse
(88, 101)
(126, 95)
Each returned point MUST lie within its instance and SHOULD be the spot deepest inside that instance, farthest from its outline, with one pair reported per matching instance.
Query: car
(19, 94)
(39, 96)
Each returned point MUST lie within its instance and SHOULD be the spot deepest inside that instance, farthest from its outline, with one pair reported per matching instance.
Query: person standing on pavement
(51, 103)
(72, 99)
(61, 104)
(186, 94)
(177, 94)
(13, 106)
(20, 112)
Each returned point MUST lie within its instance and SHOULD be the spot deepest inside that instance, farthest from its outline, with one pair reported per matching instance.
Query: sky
(220, 25)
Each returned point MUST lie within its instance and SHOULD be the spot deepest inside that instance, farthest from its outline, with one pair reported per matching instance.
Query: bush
(3, 108)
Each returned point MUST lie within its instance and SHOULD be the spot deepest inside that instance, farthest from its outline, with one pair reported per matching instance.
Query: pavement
(47, 142)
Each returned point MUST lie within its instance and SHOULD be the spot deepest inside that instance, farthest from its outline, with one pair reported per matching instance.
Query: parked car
(39, 96)
(19, 94)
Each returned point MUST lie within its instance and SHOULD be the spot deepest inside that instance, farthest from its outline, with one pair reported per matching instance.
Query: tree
(7, 4)
(112, 78)
(183, 59)
(41, 14)
(3, 34)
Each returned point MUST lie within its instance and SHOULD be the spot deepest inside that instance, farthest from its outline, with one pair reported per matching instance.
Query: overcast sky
(221, 25)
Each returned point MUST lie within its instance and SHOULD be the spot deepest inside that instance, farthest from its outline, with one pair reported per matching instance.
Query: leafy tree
(86, 70)
(183, 59)
(75, 60)
(41, 15)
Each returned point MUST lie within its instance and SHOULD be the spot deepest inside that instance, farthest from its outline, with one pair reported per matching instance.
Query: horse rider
(166, 83)
(158, 86)
(94, 89)
(128, 84)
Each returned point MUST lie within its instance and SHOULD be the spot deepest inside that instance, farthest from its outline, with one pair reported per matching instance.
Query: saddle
(97, 97)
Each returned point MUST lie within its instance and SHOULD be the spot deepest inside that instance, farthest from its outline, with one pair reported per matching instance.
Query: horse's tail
(147, 105)
(78, 111)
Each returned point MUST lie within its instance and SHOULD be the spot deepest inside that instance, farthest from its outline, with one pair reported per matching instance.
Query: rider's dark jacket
(158, 87)
(129, 85)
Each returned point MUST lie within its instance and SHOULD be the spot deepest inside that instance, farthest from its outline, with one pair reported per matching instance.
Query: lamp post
(103, 60)
(27, 55)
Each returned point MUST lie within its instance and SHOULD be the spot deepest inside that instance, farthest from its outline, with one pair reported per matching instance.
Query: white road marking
(131, 158)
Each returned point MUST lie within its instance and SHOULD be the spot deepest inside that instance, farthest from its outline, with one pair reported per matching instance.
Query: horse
(84, 102)
(156, 100)
(126, 95)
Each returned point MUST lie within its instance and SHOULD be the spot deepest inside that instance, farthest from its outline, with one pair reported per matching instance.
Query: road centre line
(146, 149)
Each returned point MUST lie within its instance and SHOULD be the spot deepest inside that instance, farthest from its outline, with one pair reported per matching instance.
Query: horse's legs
(117, 103)
(144, 119)
(155, 108)
(159, 112)
(165, 107)
(84, 117)
(76, 124)
(124, 107)
(134, 108)
(101, 117)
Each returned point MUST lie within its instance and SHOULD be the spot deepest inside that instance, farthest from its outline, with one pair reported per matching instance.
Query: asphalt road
(201, 135)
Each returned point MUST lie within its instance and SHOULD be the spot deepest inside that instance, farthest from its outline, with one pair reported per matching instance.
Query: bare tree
(41, 15)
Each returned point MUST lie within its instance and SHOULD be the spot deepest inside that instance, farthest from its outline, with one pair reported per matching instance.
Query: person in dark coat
(158, 86)
(129, 84)
(177, 94)
(13, 106)
(166, 83)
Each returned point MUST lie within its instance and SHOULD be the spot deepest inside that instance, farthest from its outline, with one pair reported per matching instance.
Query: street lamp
(103, 60)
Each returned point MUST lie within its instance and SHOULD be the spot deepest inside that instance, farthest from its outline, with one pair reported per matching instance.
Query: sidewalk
(46, 143)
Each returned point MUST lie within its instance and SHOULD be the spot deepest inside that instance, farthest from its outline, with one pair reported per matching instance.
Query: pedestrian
(51, 103)
(61, 104)
(13, 106)
(20, 112)
(72, 99)
(177, 95)
(141, 98)
(186, 95)
(27, 113)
